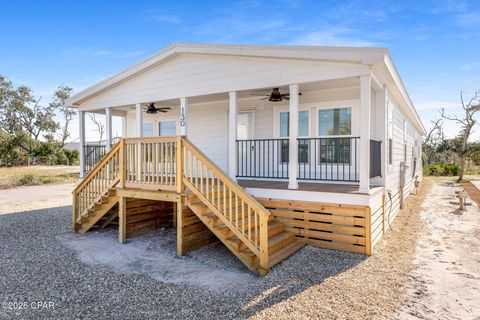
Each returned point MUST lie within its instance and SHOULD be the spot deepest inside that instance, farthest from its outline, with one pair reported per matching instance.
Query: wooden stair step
(285, 252)
(274, 229)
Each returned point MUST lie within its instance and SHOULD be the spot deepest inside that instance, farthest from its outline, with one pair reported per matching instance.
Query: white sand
(35, 197)
(446, 276)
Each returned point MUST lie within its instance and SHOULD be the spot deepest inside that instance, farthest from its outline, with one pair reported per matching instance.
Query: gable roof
(365, 56)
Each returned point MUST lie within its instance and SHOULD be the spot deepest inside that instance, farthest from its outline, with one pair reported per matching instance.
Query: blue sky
(434, 44)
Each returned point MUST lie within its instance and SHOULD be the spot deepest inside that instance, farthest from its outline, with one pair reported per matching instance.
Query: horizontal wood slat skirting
(146, 215)
(194, 234)
(324, 225)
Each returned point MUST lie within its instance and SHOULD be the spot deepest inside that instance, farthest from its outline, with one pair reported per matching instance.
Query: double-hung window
(167, 128)
(332, 125)
(303, 129)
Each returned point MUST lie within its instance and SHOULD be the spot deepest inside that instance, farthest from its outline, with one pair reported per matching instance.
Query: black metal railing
(93, 154)
(262, 158)
(375, 158)
(328, 159)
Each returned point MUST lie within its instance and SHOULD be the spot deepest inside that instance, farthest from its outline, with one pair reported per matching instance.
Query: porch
(303, 138)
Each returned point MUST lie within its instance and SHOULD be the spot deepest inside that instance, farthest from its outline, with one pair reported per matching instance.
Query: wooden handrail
(97, 167)
(225, 178)
(241, 215)
(105, 175)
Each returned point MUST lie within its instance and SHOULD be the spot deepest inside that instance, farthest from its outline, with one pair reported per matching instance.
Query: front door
(245, 146)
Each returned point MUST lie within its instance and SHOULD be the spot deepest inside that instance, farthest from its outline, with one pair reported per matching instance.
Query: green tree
(58, 103)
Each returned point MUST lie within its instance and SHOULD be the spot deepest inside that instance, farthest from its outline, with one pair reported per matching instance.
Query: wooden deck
(305, 186)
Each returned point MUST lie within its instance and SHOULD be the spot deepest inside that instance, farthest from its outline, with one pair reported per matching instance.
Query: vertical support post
(122, 219)
(122, 165)
(108, 127)
(364, 165)
(264, 267)
(81, 116)
(293, 135)
(183, 121)
(368, 231)
(179, 165)
(232, 135)
(180, 208)
(124, 126)
(74, 212)
(139, 119)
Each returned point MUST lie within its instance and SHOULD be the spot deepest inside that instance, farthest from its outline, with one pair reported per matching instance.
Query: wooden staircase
(96, 194)
(281, 243)
(175, 165)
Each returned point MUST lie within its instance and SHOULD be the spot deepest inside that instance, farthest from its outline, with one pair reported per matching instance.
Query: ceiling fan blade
(259, 94)
(161, 110)
(265, 98)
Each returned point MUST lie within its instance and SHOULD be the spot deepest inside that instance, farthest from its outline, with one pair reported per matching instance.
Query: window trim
(153, 128)
(317, 121)
(167, 120)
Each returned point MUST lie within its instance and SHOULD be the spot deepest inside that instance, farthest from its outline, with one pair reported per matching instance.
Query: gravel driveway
(37, 265)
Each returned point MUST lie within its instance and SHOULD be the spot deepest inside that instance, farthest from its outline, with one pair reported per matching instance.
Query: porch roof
(369, 57)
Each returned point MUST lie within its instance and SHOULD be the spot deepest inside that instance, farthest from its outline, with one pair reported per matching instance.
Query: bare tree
(100, 126)
(58, 103)
(433, 139)
(467, 122)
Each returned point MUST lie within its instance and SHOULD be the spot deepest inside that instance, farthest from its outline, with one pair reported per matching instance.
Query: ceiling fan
(275, 95)
(151, 109)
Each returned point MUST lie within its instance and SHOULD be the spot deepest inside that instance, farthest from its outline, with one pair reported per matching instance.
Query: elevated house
(265, 148)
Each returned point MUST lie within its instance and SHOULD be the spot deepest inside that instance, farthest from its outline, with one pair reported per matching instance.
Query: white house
(326, 138)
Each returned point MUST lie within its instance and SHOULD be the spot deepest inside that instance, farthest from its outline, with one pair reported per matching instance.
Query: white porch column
(108, 127)
(364, 152)
(124, 126)
(139, 119)
(232, 135)
(81, 121)
(293, 134)
(183, 116)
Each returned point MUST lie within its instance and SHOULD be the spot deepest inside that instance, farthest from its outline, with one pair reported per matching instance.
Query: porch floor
(302, 186)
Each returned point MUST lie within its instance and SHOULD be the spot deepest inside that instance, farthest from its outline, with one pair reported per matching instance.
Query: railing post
(74, 212)
(179, 166)
(122, 165)
(263, 270)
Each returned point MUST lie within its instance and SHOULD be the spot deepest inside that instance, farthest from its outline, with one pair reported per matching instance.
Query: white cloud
(333, 37)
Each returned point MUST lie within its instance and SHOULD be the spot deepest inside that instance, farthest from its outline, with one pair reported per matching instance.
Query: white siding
(191, 75)
(393, 171)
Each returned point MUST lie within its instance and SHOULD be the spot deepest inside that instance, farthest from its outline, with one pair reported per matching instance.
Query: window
(303, 128)
(390, 151)
(167, 128)
(335, 122)
(390, 133)
(148, 129)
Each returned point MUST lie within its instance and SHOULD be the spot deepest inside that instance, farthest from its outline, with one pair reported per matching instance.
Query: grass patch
(37, 175)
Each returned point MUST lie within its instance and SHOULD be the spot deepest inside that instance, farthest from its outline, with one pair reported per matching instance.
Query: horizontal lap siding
(197, 74)
(323, 225)
(377, 219)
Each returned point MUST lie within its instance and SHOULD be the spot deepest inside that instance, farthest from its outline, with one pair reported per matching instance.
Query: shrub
(26, 179)
(441, 169)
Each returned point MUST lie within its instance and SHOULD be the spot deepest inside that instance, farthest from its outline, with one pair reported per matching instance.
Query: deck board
(315, 187)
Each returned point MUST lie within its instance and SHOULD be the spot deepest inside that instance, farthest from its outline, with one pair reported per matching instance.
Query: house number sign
(182, 116)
